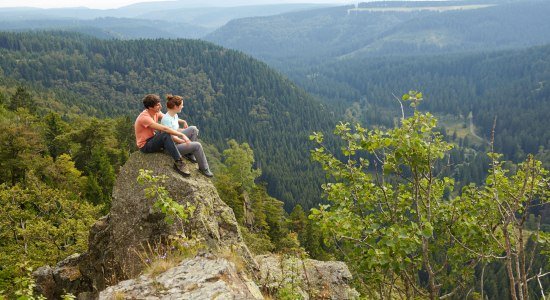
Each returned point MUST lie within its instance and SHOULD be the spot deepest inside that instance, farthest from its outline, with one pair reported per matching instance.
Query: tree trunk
(522, 266)
(511, 277)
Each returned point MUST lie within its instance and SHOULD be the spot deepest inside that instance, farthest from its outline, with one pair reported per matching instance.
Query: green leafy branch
(163, 202)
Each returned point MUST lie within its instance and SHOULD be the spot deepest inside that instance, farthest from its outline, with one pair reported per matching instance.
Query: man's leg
(164, 141)
(161, 141)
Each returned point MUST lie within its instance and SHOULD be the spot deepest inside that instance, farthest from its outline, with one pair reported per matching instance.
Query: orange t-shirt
(142, 129)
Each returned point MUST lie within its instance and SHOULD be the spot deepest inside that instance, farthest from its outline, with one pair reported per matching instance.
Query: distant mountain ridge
(111, 28)
(337, 32)
(169, 19)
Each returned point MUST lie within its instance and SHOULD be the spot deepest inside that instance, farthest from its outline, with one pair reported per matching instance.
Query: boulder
(311, 279)
(61, 279)
(202, 277)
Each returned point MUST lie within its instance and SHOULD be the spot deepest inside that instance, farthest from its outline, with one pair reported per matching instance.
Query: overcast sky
(104, 4)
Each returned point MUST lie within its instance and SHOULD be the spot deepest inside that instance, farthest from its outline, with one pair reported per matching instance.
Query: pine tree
(21, 99)
(54, 127)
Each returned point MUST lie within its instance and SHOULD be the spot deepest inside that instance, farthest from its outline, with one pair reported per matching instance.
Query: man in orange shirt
(148, 141)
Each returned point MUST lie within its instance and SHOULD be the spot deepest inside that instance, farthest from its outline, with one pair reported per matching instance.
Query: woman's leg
(194, 148)
(192, 132)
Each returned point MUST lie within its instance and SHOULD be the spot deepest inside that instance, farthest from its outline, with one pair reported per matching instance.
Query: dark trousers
(161, 141)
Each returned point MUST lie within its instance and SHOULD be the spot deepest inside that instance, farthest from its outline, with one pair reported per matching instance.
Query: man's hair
(150, 100)
(173, 100)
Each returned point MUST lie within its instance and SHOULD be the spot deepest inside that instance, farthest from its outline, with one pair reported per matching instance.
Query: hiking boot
(180, 167)
(191, 158)
(206, 173)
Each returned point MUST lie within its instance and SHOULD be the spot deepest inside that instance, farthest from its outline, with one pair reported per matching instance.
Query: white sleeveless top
(170, 121)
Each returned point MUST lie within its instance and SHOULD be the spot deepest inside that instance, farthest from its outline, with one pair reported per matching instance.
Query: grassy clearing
(461, 126)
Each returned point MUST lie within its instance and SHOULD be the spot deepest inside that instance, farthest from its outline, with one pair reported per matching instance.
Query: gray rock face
(212, 277)
(197, 278)
(312, 279)
(116, 239)
(132, 222)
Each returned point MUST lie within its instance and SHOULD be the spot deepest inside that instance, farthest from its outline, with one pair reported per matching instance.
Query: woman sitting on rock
(189, 147)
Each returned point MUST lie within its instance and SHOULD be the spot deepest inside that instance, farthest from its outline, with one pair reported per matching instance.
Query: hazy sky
(104, 4)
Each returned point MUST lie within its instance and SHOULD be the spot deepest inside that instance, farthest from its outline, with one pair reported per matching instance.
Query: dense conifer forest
(511, 86)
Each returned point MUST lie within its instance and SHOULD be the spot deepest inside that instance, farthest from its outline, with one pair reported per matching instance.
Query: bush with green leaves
(391, 219)
(41, 225)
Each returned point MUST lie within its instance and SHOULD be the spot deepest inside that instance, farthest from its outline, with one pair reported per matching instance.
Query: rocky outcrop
(113, 266)
(116, 240)
(64, 277)
(203, 277)
(132, 222)
(214, 277)
(311, 279)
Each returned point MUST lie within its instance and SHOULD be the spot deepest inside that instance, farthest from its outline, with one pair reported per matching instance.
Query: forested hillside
(357, 58)
(305, 36)
(388, 28)
(233, 95)
(512, 86)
